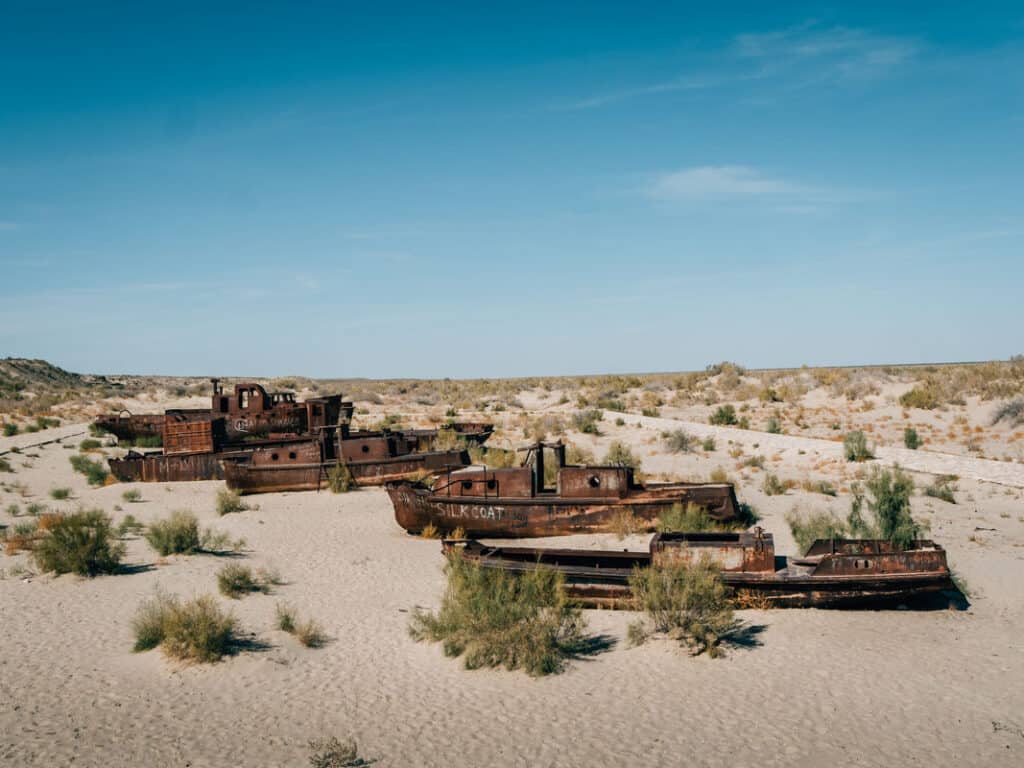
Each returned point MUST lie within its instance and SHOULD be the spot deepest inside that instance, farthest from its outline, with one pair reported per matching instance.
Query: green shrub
(177, 535)
(689, 519)
(924, 397)
(10, 429)
(754, 461)
(60, 494)
(339, 478)
(333, 753)
(149, 622)
(725, 415)
(5, 465)
(286, 617)
(620, 455)
(708, 444)
(45, 422)
(679, 441)
(196, 630)
(772, 486)
(310, 634)
(808, 528)
(229, 501)
(235, 580)
(82, 542)
(773, 426)
(889, 502)
(491, 617)
(94, 471)
(855, 447)
(129, 525)
(942, 487)
(911, 439)
(688, 602)
(587, 421)
(132, 496)
(89, 444)
(743, 423)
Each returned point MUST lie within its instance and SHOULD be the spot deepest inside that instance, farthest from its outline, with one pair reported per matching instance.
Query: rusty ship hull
(245, 476)
(546, 513)
(833, 574)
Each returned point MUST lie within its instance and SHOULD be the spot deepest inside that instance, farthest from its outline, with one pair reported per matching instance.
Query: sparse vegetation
(60, 494)
(773, 486)
(773, 426)
(624, 523)
(309, 633)
(708, 443)
(333, 753)
(724, 415)
(689, 519)
(229, 501)
(492, 618)
(195, 630)
(942, 487)
(10, 429)
(129, 525)
(82, 542)
(339, 478)
(132, 496)
(234, 581)
(911, 439)
(808, 528)
(855, 447)
(1012, 412)
(924, 397)
(687, 601)
(89, 444)
(679, 441)
(94, 471)
(286, 617)
(430, 531)
(179, 535)
(587, 421)
(620, 455)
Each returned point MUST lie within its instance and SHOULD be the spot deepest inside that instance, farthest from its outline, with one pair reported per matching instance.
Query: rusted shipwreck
(514, 502)
(250, 412)
(372, 458)
(833, 573)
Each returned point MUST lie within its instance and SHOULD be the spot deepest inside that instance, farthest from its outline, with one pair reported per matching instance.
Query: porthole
(292, 455)
(366, 449)
(274, 457)
(467, 484)
(594, 481)
(492, 484)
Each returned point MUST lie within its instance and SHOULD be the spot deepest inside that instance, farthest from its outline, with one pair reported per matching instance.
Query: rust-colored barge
(515, 502)
(250, 412)
(372, 458)
(833, 573)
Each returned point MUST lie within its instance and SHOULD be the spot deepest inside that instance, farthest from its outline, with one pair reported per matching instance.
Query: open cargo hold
(514, 502)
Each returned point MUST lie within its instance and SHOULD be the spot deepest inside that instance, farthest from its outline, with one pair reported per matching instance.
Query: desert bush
(925, 397)
(624, 523)
(286, 617)
(679, 441)
(855, 447)
(491, 618)
(911, 439)
(60, 494)
(310, 634)
(149, 621)
(942, 487)
(129, 525)
(1011, 412)
(176, 535)
(132, 496)
(889, 503)
(82, 542)
(719, 475)
(21, 537)
(688, 602)
(5, 465)
(13, 510)
(823, 487)
(229, 501)
(708, 443)
(772, 486)
(94, 471)
(808, 528)
(196, 630)
(754, 461)
(234, 581)
(494, 458)
(10, 429)
(688, 519)
(339, 478)
(89, 444)
(333, 753)
(724, 415)
(587, 421)
(430, 531)
(773, 426)
(620, 455)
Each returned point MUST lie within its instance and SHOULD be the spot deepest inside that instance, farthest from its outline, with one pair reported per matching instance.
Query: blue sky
(435, 190)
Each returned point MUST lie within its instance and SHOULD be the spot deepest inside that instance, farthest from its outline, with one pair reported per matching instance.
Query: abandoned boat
(251, 412)
(372, 458)
(514, 502)
(833, 573)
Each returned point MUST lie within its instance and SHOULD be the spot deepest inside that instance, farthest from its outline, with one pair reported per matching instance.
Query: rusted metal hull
(161, 468)
(547, 513)
(832, 580)
(247, 477)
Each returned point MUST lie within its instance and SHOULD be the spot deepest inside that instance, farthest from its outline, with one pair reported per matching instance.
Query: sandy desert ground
(871, 688)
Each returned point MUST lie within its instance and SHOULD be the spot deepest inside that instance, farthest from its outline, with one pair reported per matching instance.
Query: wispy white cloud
(795, 57)
(741, 184)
